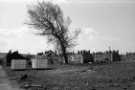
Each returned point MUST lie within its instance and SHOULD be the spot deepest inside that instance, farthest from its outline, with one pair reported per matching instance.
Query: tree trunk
(65, 56)
(63, 48)
(64, 53)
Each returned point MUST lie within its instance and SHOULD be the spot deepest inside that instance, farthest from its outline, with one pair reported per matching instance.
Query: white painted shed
(39, 62)
(75, 58)
(18, 64)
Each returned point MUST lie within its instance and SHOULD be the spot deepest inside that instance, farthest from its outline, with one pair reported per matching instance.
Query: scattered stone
(33, 85)
(36, 85)
(25, 85)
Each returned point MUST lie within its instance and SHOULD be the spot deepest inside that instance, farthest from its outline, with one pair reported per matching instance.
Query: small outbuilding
(18, 64)
(75, 59)
(39, 62)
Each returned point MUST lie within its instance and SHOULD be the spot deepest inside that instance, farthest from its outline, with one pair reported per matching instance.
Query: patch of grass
(115, 76)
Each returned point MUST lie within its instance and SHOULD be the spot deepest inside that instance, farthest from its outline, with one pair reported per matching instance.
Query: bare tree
(49, 20)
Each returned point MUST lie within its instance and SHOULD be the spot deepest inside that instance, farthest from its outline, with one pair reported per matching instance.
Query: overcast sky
(103, 23)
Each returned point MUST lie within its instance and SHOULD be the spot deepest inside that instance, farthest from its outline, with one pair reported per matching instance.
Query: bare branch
(48, 18)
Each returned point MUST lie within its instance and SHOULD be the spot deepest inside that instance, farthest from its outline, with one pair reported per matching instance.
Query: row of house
(40, 62)
(43, 61)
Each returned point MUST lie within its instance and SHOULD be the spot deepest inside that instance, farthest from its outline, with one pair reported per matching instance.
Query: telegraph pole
(111, 54)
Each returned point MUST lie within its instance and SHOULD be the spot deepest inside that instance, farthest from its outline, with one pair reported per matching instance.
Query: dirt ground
(5, 83)
(115, 76)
